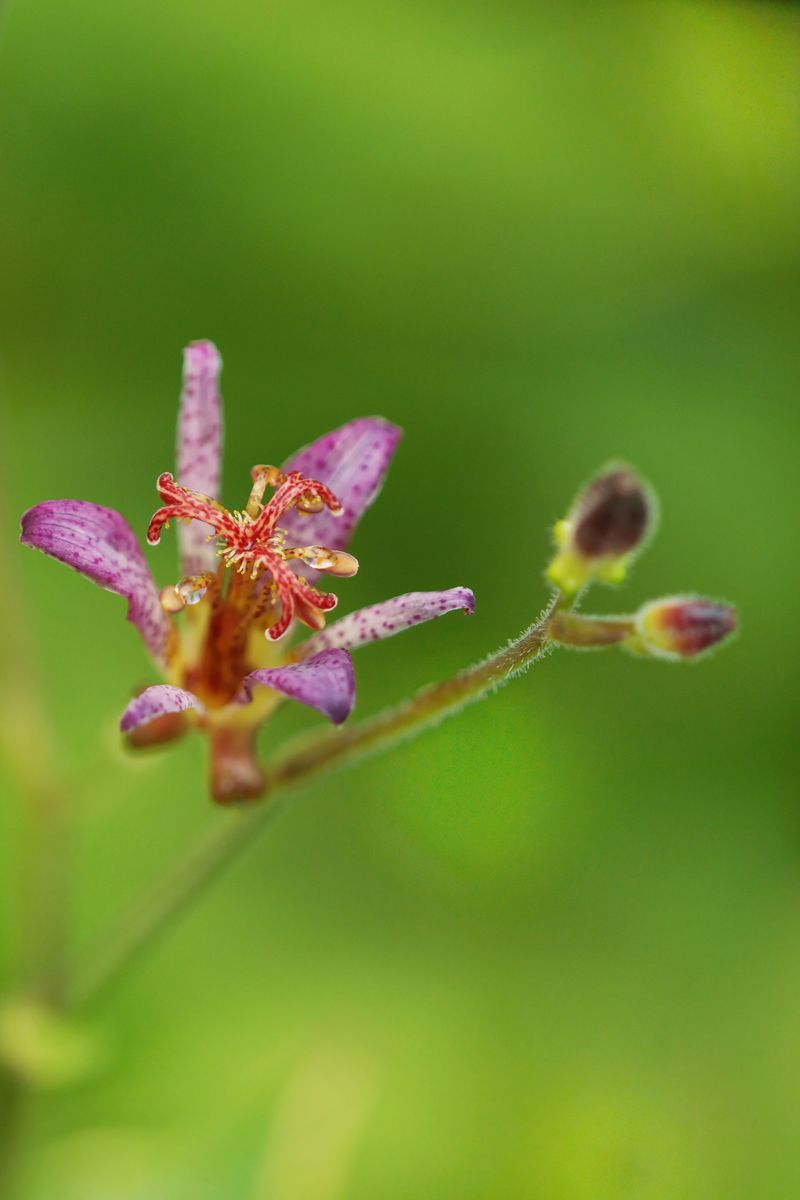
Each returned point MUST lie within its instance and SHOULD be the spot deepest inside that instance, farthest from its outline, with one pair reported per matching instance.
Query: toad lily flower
(222, 636)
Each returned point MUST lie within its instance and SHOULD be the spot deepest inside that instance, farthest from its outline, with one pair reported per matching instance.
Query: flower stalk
(248, 578)
(589, 633)
(29, 749)
(300, 762)
(307, 757)
(221, 638)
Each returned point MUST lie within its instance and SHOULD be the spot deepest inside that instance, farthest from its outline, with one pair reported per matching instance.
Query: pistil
(263, 589)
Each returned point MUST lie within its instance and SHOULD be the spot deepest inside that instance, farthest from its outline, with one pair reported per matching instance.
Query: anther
(336, 562)
(192, 588)
(189, 590)
(310, 503)
(344, 565)
(171, 600)
(263, 477)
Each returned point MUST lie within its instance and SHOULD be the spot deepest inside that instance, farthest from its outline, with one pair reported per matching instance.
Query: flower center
(255, 545)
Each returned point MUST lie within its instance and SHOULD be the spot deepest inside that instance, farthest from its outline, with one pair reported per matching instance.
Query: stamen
(343, 565)
(336, 562)
(263, 477)
(192, 588)
(171, 601)
(310, 504)
(188, 591)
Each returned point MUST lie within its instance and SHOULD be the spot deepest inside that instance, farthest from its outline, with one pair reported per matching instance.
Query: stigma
(253, 544)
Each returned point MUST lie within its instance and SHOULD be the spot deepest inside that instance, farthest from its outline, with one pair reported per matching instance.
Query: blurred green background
(551, 949)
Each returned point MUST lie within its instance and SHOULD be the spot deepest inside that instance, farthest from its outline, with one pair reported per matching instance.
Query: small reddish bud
(683, 626)
(606, 525)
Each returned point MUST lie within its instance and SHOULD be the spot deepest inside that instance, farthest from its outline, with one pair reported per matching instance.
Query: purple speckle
(391, 617)
(199, 448)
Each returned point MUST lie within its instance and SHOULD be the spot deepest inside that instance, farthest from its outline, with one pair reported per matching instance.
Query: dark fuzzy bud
(608, 522)
(611, 516)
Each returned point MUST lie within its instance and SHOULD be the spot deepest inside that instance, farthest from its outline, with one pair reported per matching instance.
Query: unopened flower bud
(607, 524)
(611, 515)
(682, 626)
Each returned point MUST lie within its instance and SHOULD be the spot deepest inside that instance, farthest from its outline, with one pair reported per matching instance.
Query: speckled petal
(199, 449)
(391, 617)
(157, 701)
(100, 544)
(352, 461)
(325, 682)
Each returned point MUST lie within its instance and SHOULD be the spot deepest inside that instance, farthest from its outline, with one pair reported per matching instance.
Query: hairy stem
(233, 833)
(589, 633)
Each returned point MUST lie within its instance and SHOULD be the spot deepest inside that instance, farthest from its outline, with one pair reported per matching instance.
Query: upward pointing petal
(352, 461)
(199, 449)
(100, 544)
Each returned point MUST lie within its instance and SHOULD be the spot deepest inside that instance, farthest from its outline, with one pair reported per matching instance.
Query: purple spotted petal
(352, 461)
(100, 544)
(155, 702)
(199, 449)
(391, 617)
(325, 682)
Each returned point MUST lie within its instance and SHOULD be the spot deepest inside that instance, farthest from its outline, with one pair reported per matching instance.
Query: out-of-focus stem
(12, 1100)
(232, 834)
(28, 747)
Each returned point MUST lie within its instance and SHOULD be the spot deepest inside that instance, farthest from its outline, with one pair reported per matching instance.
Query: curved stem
(231, 835)
(138, 929)
(589, 633)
